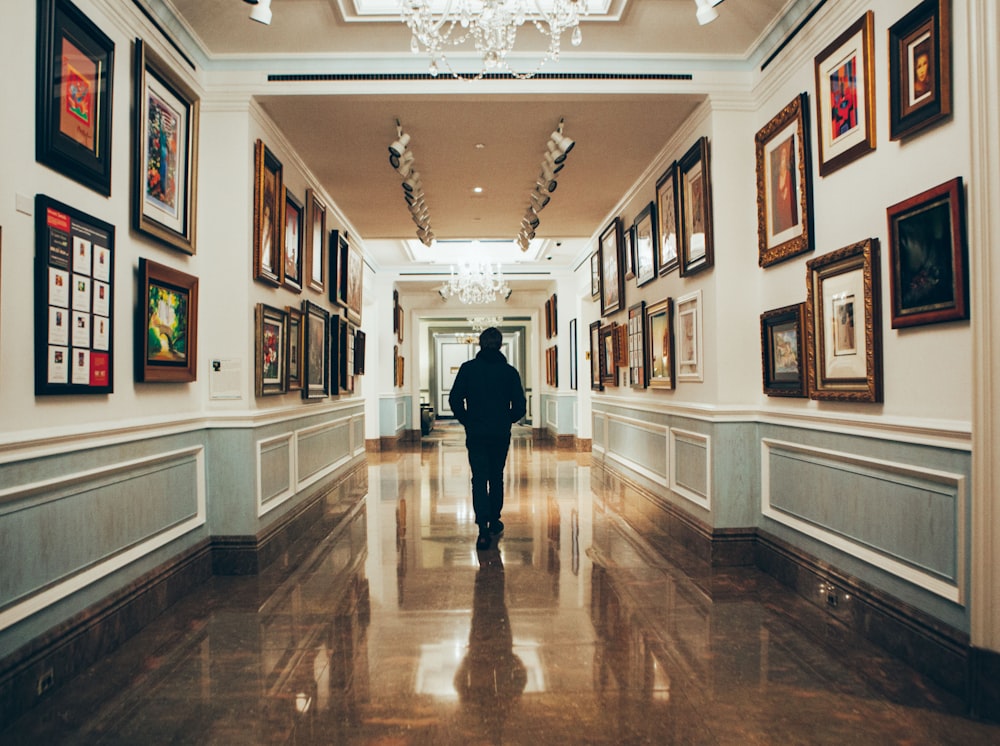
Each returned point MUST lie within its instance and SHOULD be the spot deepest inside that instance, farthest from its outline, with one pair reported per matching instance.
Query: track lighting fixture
(556, 147)
(261, 11)
(402, 159)
(706, 11)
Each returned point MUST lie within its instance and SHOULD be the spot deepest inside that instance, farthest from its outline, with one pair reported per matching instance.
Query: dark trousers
(487, 459)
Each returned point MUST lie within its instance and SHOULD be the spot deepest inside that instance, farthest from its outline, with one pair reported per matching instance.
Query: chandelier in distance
(492, 25)
(478, 282)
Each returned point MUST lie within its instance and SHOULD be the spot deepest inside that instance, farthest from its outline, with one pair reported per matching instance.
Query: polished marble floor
(388, 627)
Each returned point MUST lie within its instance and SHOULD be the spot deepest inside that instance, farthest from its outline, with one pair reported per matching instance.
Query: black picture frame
(74, 78)
(573, 353)
(645, 245)
(316, 351)
(610, 248)
(595, 356)
(783, 351)
(166, 331)
(920, 69)
(694, 177)
(293, 224)
(668, 258)
(638, 373)
(270, 350)
(74, 300)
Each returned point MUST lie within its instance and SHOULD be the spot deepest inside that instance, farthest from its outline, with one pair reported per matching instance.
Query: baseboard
(373, 445)
(984, 683)
(29, 674)
(584, 445)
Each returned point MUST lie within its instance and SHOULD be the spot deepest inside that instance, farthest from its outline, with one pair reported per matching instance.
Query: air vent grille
(350, 77)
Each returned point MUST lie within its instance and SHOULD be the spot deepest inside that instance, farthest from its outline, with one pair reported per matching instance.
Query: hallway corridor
(387, 627)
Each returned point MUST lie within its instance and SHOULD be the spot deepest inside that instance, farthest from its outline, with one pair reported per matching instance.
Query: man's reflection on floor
(491, 677)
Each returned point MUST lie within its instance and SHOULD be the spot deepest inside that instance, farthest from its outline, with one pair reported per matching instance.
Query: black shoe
(483, 542)
(496, 527)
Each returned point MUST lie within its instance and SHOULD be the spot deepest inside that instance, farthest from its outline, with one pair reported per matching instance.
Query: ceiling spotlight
(561, 141)
(402, 159)
(261, 12)
(539, 200)
(706, 11)
(413, 182)
(399, 146)
(554, 151)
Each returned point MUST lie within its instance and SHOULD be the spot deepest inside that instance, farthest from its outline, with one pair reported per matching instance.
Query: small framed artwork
(612, 279)
(928, 258)
(609, 354)
(395, 365)
(315, 352)
(695, 214)
(314, 260)
(291, 245)
(690, 354)
(75, 72)
(355, 284)
(660, 344)
(784, 185)
(920, 68)
(843, 324)
(621, 345)
(268, 213)
(346, 358)
(845, 96)
(74, 301)
(399, 323)
(271, 338)
(165, 155)
(782, 348)
(359, 353)
(595, 275)
(335, 351)
(644, 239)
(666, 213)
(628, 253)
(167, 329)
(637, 368)
(293, 351)
(548, 318)
(595, 356)
(555, 316)
(338, 268)
(573, 382)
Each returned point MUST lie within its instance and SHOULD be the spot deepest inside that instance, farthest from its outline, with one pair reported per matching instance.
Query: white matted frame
(688, 348)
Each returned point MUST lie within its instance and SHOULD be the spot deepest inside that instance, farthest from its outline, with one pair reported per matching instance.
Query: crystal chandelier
(479, 323)
(491, 25)
(476, 283)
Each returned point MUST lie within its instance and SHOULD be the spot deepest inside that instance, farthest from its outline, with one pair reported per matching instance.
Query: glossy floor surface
(388, 627)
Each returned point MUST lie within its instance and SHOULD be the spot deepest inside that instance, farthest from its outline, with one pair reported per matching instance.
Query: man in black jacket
(487, 398)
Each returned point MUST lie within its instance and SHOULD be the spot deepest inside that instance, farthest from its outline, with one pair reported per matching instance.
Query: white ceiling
(341, 128)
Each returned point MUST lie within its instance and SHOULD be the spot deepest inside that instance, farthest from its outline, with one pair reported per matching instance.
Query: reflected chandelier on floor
(492, 25)
(481, 282)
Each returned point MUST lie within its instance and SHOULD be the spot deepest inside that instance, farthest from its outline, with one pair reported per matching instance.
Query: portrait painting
(292, 244)
(268, 210)
(920, 69)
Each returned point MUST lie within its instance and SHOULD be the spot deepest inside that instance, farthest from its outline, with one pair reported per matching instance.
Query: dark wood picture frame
(668, 258)
(74, 300)
(928, 257)
(784, 184)
(268, 217)
(73, 95)
(314, 260)
(612, 280)
(845, 96)
(548, 318)
(335, 351)
(293, 350)
(360, 343)
(609, 355)
(164, 152)
(166, 332)
(339, 249)
(782, 349)
(843, 351)
(595, 275)
(920, 69)
(645, 242)
(628, 252)
(573, 354)
(595, 356)
(270, 350)
(315, 351)
(694, 177)
(291, 243)
(638, 377)
(659, 332)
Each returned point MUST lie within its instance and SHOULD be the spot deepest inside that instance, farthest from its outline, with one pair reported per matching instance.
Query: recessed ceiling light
(477, 190)
(480, 146)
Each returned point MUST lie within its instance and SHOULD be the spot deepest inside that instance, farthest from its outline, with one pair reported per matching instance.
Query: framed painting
(271, 343)
(268, 216)
(690, 351)
(782, 350)
(612, 279)
(315, 351)
(355, 284)
(291, 244)
(548, 318)
(293, 348)
(338, 268)
(335, 349)
(845, 96)
(695, 211)
(74, 75)
(359, 353)
(167, 330)
(595, 275)
(555, 316)
(784, 185)
(920, 69)
(659, 332)
(628, 253)
(928, 257)
(595, 356)
(395, 312)
(637, 368)
(314, 259)
(165, 152)
(666, 213)
(573, 353)
(609, 354)
(74, 300)
(621, 345)
(644, 240)
(843, 324)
